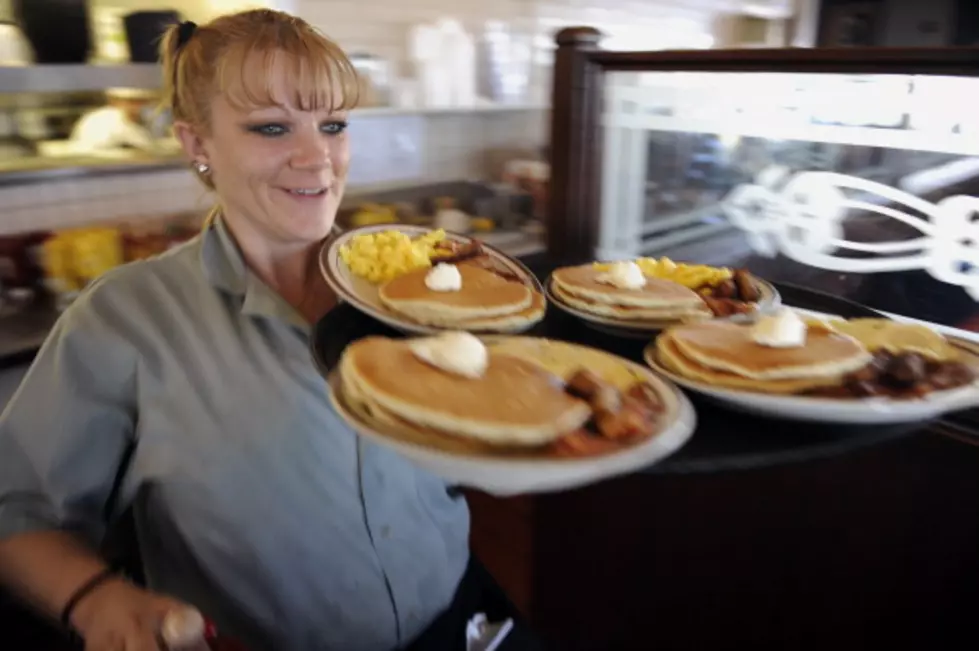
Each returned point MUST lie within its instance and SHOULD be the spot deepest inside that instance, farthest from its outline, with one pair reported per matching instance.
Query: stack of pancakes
(658, 300)
(724, 354)
(515, 403)
(487, 301)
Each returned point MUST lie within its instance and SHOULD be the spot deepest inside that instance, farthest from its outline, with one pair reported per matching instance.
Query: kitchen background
(400, 144)
(89, 177)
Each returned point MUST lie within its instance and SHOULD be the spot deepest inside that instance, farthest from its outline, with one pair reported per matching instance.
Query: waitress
(182, 387)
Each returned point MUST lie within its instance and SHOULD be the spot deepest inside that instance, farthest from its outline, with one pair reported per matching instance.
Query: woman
(182, 387)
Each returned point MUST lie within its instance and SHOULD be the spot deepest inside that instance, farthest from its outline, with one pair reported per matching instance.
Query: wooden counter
(872, 550)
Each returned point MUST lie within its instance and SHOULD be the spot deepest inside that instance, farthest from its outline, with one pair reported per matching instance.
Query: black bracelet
(82, 592)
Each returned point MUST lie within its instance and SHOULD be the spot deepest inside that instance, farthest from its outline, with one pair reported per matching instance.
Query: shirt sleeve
(68, 428)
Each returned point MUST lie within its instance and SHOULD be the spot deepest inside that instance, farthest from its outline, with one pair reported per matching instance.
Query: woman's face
(280, 168)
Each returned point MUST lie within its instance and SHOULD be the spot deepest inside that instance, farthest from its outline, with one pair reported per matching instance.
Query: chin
(310, 228)
(315, 232)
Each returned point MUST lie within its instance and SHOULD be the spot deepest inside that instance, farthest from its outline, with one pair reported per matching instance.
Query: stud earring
(202, 168)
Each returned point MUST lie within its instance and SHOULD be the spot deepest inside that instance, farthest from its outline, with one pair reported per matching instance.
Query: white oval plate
(504, 476)
(643, 329)
(855, 411)
(363, 294)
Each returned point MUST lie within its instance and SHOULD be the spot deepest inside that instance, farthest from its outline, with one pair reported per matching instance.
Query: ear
(190, 141)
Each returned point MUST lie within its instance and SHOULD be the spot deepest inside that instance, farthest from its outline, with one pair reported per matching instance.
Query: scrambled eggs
(694, 276)
(380, 257)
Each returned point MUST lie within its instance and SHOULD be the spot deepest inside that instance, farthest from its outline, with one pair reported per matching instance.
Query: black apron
(478, 592)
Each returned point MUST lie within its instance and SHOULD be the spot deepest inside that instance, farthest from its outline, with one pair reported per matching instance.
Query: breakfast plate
(504, 274)
(600, 315)
(513, 457)
(838, 401)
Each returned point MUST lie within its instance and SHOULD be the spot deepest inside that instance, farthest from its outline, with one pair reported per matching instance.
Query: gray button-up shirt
(253, 500)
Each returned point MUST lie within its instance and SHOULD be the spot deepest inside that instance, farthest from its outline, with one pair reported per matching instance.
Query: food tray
(723, 441)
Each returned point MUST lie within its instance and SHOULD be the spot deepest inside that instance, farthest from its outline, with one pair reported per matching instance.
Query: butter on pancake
(631, 312)
(672, 359)
(586, 282)
(482, 295)
(726, 354)
(586, 289)
(515, 402)
(731, 347)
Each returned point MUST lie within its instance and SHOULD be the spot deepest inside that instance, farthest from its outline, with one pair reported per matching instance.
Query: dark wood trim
(962, 61)
(575, 148)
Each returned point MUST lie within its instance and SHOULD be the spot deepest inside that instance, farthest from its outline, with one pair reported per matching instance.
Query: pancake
(484, 294)
(583, 282)
(525, 317)
(427, 437)
(670, 357)
(898, 338)
(515, 403)
(729, 347)
(687, 312)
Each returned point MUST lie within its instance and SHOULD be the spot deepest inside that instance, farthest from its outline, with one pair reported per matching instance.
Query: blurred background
(455, 118)
(455, 132)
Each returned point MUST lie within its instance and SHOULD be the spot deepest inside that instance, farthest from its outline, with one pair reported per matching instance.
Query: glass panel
(860, 185)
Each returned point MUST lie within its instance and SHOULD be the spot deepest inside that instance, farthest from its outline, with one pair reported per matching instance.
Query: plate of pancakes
(865, 371)
(498, 294)
(685, 293)
(542, 415)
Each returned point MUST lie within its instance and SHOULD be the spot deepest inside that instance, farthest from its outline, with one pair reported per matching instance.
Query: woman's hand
(119, 616)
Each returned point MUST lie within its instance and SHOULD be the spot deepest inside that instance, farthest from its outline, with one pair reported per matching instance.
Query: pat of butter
(444, 278)
(459, 353)
(624, 275)
(784, 329)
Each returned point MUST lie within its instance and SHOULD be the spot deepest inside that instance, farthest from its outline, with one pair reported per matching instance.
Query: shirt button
(385, 531)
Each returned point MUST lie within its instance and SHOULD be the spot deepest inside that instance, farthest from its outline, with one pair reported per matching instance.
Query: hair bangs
(302, 71)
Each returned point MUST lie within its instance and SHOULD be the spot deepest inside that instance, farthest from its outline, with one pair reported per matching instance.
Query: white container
(444, 56)
(14, 47)
(425, 51)
(459, 51)
(110, 35)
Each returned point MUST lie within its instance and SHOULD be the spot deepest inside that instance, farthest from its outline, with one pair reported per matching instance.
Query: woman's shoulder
(149, 288)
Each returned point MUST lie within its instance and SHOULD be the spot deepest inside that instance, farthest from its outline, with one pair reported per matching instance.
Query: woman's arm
(46, 568)
(63, 439)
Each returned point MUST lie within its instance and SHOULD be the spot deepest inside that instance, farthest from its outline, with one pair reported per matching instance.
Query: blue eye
(268, 129)
(334, 128)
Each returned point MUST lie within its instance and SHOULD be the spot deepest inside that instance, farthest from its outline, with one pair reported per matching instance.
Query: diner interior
(598, 130)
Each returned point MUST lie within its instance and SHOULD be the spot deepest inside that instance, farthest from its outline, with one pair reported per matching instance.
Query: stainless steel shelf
(69, 78)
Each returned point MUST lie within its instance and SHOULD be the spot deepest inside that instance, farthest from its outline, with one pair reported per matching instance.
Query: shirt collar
(224, 266)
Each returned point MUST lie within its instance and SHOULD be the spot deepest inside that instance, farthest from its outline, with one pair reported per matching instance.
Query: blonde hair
(212, 61)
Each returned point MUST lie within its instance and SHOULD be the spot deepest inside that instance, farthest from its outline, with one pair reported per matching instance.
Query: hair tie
(184, 32)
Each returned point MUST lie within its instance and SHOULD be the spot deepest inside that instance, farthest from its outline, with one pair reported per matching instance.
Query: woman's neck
(289, 270)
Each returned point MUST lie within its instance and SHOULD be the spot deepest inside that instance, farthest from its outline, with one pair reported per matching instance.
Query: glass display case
(855, 175)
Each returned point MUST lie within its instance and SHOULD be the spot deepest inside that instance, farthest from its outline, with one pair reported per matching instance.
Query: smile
(307, 192)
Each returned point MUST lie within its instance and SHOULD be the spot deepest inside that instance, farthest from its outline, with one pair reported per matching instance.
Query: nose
(312, 152)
